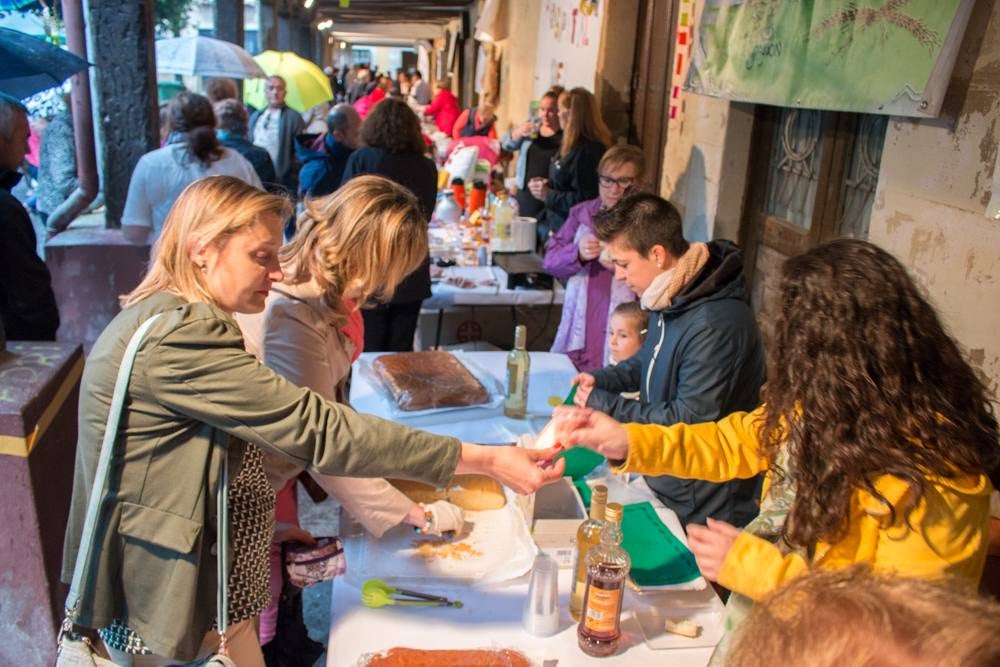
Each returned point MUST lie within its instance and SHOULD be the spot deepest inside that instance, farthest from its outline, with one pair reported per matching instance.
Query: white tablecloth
(550, 376)
(444, 295)
(491, 616)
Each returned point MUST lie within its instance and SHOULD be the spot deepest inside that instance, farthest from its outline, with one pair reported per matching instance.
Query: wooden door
(812, 179)
(651, 81)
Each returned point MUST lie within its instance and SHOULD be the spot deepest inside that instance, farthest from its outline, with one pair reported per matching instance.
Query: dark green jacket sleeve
(625, 376)
(200, 370)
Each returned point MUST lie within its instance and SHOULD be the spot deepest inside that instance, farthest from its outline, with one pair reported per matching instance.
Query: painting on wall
(569, 38)
(870, 56)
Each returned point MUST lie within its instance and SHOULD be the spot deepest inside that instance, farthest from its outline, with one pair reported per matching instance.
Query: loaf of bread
(470, 492)
(413, 657)
(431, 379)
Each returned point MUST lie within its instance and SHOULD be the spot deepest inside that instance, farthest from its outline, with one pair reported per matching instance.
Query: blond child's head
(626, 330)
(856, 617)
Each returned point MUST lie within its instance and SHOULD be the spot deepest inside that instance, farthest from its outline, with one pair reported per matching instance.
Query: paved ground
(321, 520)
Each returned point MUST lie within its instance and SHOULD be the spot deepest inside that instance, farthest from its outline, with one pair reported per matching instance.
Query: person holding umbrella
(274, 129)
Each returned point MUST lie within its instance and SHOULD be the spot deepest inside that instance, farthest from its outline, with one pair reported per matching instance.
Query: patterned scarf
(669, 283)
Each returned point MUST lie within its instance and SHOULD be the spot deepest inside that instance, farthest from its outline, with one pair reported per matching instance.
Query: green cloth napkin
(580, 461)
(658, 558)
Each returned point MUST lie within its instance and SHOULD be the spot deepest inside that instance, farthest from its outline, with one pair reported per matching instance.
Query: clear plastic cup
(541, 609)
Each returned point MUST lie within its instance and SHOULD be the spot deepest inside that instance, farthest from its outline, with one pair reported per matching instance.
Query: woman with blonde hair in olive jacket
(195, 396)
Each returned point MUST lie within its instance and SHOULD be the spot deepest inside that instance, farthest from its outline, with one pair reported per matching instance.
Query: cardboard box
(558, 513)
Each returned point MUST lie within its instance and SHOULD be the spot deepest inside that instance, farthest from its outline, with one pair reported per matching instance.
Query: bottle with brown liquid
(588, 535)
(599, 632)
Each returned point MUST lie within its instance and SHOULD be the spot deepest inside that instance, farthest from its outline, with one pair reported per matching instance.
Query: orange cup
(477, 198)
(459, 191)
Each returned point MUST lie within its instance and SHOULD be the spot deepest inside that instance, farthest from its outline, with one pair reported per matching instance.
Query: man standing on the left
(27, 304)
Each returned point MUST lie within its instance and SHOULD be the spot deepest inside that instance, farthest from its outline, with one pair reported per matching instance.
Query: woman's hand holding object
(588, 248)
(447, 517)
(539, 187)
(592, 429)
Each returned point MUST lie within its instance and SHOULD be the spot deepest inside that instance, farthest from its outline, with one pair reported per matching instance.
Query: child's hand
(585, 384)
(710, 545)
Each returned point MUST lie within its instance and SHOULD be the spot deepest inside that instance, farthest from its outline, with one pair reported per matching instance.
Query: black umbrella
(29, 65)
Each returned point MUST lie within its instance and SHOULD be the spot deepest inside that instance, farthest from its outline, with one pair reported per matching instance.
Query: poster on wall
(869, 56)
(569, 37)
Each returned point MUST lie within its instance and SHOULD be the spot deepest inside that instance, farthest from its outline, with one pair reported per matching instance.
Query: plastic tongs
(376, 593)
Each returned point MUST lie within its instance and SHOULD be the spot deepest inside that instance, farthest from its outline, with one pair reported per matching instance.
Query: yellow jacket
(949, 524)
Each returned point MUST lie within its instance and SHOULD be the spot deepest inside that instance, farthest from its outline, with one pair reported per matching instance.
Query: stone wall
(705, 166)
(933, 191)
(705, 161)
(517, 37)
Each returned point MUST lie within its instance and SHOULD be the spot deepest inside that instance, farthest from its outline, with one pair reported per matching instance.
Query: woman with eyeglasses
(573, 172)
(574, 255)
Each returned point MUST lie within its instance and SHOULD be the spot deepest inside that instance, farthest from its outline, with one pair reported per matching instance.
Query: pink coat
(445, 110)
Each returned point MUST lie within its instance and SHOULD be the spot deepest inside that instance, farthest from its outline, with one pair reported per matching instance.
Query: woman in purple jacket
(574, 255)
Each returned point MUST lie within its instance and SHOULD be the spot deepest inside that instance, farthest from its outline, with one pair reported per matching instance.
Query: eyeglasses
(623, 182)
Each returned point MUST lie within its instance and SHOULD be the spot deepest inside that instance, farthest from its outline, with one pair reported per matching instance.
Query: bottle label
(513, 386)
(602, 610)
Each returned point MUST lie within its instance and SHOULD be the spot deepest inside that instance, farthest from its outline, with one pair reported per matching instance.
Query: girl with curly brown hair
(877, 436)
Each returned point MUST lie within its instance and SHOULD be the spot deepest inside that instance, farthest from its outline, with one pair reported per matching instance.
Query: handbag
(291, 645)
(308, 565)
(77, 650)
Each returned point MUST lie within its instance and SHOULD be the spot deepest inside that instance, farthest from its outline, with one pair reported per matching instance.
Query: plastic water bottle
(503, 219)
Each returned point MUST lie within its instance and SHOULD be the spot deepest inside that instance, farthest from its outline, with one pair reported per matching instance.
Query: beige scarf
(669, 283)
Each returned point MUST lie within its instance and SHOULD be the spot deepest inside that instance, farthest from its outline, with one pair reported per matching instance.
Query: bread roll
(684, 627)
(470, 492)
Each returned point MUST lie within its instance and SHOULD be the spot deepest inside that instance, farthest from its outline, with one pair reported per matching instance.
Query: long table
(491, 617)
(444, 295)
(490, 291)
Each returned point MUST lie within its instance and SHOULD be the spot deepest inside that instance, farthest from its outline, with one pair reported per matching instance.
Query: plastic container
(503, 230)
(447, 210)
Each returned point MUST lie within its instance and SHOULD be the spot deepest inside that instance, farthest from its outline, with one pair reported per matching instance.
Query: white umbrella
(204, 56)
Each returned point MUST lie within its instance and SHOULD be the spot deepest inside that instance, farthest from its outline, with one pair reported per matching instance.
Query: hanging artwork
(870, 56)
(569, 38)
